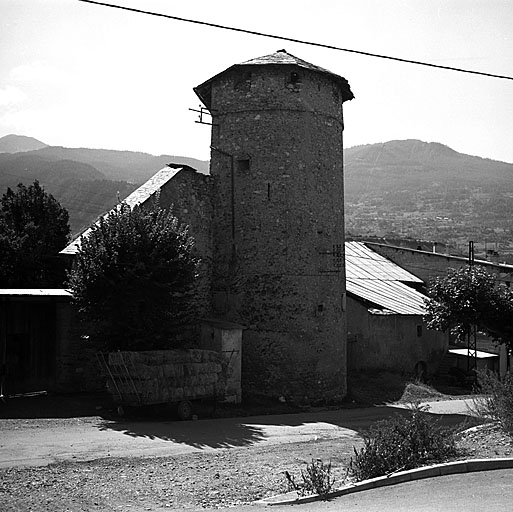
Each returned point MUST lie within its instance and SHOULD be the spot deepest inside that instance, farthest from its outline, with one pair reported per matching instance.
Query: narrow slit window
(295, 78)
(243, 164)
(243, 81)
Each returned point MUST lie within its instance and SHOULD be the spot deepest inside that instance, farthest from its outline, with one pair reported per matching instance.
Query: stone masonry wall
(189, 194)
(278, 227)
(163, 376)
(391, 342)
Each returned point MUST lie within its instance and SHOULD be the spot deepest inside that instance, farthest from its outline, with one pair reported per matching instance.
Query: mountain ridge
(400, 188)
(13, 143)
(86, 181)
(415, 189)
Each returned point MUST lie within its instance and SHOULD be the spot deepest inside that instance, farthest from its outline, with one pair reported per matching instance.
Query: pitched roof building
(385, 312)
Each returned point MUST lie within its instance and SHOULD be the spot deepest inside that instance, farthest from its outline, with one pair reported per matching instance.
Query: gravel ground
(194, 481)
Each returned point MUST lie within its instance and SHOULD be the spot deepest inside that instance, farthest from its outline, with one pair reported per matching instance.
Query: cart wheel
(121, 411)
(184, 410)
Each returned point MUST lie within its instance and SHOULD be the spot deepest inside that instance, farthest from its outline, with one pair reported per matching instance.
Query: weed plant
(315, 479)
(401, 443)
(496, 399)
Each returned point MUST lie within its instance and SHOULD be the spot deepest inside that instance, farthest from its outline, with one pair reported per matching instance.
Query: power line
(299, 41)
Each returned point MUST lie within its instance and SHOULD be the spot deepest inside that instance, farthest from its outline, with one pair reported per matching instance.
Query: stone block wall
(163, 376)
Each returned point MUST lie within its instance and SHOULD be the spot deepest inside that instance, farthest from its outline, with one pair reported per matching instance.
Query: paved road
(43, 441)
(487, 491)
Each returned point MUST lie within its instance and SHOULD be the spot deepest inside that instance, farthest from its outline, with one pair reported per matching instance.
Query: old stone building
(269, 221)
(278, 221)
(385, 310)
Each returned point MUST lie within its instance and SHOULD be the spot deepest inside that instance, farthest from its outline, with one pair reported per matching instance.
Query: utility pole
(472, 333)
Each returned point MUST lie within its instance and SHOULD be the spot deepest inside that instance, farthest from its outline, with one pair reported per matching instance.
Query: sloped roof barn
(374, 278)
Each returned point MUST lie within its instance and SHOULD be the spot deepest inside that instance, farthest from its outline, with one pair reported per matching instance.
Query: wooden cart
(172, 377)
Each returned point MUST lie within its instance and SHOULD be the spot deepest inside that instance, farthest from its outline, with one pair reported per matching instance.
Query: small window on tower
(243, 164)
(242, 82)
(295, 78)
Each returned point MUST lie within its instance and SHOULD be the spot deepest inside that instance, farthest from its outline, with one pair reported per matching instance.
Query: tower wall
(278, 227)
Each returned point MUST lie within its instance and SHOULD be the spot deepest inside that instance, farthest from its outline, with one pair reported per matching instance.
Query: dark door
(30, 346)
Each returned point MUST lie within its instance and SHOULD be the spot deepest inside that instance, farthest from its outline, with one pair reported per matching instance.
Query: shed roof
(34, 292)
(373, 278)
(138, 196)
(279, 58)
(364, 263)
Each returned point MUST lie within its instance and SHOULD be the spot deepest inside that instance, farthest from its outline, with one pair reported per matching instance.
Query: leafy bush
(316, 479)
(132, 279)
(496, 398)
(469, 298)
(34, 227)
(402, 443)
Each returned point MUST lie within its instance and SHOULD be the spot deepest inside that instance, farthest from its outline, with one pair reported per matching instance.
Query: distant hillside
(397, 189)
(22, 167)
(129, 166)
(87, 200)
(17, 143)
(87, 182)
(427, 190)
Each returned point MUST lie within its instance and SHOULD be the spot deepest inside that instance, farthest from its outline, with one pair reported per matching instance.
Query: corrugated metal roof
(375, 279)
(364, 263)
(391, 295)
(35, 292)
(139, 196)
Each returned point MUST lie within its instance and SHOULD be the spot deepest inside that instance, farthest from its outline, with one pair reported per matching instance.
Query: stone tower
(278, 225)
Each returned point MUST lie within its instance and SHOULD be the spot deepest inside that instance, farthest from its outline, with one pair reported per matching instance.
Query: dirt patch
(200, 480)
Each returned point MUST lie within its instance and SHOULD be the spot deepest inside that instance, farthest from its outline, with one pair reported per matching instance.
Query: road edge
(448, 468)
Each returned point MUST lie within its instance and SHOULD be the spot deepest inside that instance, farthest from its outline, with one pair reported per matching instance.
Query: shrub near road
(401, 443)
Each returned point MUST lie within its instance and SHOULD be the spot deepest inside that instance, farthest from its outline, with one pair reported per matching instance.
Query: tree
(34, 227)
(132, 279)
(470, 297)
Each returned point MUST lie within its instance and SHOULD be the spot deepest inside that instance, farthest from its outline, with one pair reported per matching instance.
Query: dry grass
(381, 387)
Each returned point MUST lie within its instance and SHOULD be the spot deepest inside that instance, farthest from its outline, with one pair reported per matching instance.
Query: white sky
(79, 75)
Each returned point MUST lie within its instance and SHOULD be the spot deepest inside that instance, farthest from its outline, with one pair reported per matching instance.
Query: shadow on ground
(232, 432)
(238, 426)
(52, 405)
(226, 433)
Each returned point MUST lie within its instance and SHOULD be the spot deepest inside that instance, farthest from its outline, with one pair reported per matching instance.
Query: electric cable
(299, 41)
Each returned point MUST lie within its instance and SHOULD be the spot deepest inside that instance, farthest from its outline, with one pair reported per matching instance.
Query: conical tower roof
(279, 58)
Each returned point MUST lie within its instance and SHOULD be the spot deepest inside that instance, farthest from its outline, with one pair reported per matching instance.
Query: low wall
(161, 376)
